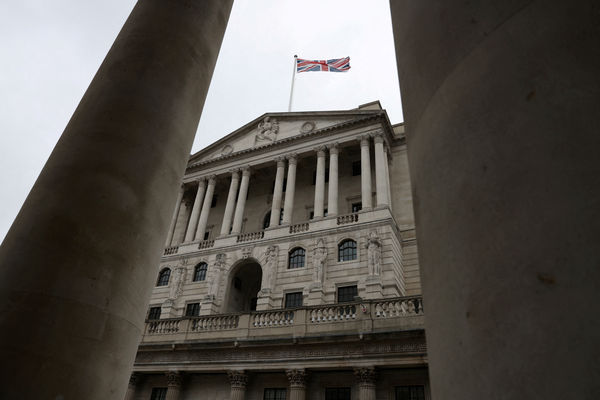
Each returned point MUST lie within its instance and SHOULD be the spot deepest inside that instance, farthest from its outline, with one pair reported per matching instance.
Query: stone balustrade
(297, 228)
(400, 313)
(247, 237)
(171, 250)
(347, 219)
(206, 244)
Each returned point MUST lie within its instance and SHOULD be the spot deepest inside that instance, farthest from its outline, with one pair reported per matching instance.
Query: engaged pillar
(174, 380)
(297, 379)
(238, 381)
(366, 378)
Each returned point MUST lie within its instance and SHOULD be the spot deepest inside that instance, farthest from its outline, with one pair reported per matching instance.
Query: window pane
(192, 310)
(347, 250)
(293, 300)
(200, 272)
(410, 393)
(347, 293)
(296, 258)
(163, 277)
(337, 393)
(154, 313)
(274, 394)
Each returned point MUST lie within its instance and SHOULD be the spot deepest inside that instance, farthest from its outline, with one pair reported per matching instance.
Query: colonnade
(234, 209)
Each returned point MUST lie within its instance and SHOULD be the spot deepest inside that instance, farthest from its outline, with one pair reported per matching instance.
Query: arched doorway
(243, 287)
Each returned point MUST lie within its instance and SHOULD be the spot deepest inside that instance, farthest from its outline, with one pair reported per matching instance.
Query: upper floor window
(192, 310)
(293, 300)
(154, 313)
(158, 393)
(356, 207)
(296, 258)
(347, 293)
(347, 250)
(200, 272)
(356, 168)
(339, 393)
(409, 393)
(163, 277)
(274, 394)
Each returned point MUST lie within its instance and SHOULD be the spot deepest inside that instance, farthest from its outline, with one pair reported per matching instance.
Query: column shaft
(173, 224)
(387, 175)
(365, 172)
(290, 190)
(229, 207)
(380, 172)
(238, 218)
(332, 198)
(320, 184)
(203, 221)
(297, 379)
(238, 381)
(193, 224)
(277, 194)
(174, 380)
(366, 378)
(82, 248)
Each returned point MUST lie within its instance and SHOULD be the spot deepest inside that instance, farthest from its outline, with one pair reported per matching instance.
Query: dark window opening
(154, 313)
(342, 393)
(293, 300)
(347, 293)
(213, 203)
(312, 214)
(192, 310)
(158, 394)
(347, 250)
(356, 168)
(410, 393)
(274, 394)
(356, 207)
(267, 219)
(296, 258)
(200, 272)
(206, 235)
(163, 277)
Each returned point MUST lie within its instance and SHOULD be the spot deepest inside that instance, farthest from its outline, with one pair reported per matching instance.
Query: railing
(347, 219)
(303, 227)
(401, 313)
(171, 250)
(247, 237)
(205, 244)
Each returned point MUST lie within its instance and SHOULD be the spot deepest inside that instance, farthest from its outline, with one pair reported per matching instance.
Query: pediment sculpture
(267, 130)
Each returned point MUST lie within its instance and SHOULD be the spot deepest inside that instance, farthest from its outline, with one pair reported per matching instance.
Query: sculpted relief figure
(374, 253)
(319, 261)
(216, 283)
(267, 130)
(178, 279)
(271, 255)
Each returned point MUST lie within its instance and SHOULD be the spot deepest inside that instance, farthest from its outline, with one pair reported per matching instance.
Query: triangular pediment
(274, 127)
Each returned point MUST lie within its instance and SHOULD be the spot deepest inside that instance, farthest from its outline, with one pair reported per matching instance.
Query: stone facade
(290, 265)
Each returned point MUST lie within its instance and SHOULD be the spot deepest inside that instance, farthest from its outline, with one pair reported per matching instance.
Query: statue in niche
(374, 254)
(267, 130)
(271, 257)
(319, 261)
(216, 282)
(178, 279)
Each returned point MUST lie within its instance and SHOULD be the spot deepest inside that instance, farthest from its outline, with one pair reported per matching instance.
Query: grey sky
(52, 49)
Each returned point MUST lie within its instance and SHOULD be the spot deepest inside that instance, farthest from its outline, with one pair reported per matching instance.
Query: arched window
(267, 219)
(296, 258)
(347, 250)
(200, 272)
(163, 277)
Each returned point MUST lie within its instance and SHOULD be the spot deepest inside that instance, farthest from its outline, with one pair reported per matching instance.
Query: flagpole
(293, 79)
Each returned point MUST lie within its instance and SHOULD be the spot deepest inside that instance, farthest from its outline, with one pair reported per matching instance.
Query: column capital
(212, 179)
(320, 150)
(238, 379)
(200, 180)
(364, 139)
(292, 158)
(174, 378)
(297, 377)
(378, 137)
(366, 375)
(280, 161)
(334, 148)
(246, 170)
(235, 172)
(134, 378)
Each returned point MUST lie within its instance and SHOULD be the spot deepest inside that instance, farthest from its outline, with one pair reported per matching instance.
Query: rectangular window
(347, 293)
(410, 393)
(159, 393)
(274, 394)
(340, 393)
(154, 313)
(206, 235)
(192, 310)
(293, 300)
(356, 168)
(356, 207)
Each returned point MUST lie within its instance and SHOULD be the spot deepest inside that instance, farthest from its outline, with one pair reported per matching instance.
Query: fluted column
(320, 183)
(238, 218)
(238, 381)
(332, 198)
(290, 190)
(365, 172)
(277, 193)
(366, 378)
(106, 194)
(297, 379)
(133, 380)
(380, 171)
(210, 190)
(230, 206)
(174, 380)
(193, 224)
(173, 224)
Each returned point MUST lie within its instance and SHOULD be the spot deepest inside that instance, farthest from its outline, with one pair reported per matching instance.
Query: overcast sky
(52, 49)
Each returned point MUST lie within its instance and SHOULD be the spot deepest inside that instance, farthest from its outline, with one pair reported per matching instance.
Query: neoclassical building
(290, 269)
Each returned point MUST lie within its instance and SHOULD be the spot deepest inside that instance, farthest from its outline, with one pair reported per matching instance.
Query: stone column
(238, 381)
(297, 378)
(320, 183)
(381, 179)
(229, 207)
(173, 224)
(365, 172)
(290, 190)
(332, 199)
(386, 151)
(277, 193)
(174, 380)
(133, 379)
(241, 203)
(501, 111)
(202, 222)
(366, 378)
(193, 224)
(82, 249)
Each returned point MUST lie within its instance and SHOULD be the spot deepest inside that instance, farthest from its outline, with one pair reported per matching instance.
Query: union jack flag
(333, 65)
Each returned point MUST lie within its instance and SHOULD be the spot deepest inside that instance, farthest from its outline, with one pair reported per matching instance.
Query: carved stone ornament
(238, 379)
(267, 130)
(365, 376)
(271, 258)
(178, 280)
(307, 127)
(247, 252)
(174, 378)
(296, 377)
(374, 254)
(226, 150)
(213, 292)
(319, 261)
